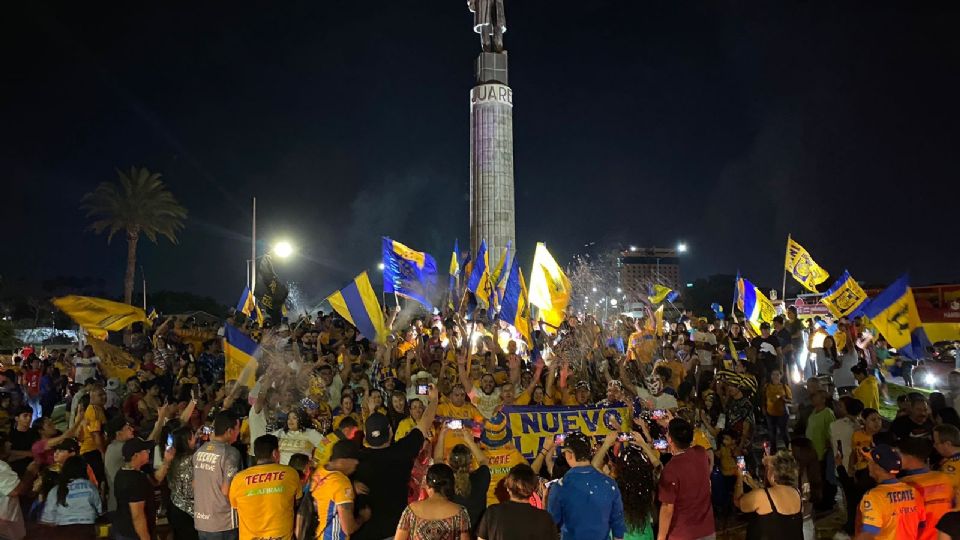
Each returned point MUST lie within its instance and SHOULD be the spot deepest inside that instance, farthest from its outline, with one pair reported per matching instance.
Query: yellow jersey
(467, 411)
(868, 392)
(330, 489)
(936, 489)
(95, 418)
(501, 460)
(323, 450)
(892, 511)
(404, 428)
(951, 468)
(265, 497)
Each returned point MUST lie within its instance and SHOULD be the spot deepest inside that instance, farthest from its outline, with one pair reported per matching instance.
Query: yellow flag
(658, 320)
(116, 362)
(802, 267)
(97, 316)
(844, 297)
(549, 287)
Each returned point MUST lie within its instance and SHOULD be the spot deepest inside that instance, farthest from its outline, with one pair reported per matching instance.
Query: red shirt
(31, 381)
(131, 407)
(685, 483)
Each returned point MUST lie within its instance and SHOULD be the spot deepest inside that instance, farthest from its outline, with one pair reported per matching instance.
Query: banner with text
(531, 426)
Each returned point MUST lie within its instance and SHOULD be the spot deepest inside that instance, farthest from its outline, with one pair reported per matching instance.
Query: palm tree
(138, 203)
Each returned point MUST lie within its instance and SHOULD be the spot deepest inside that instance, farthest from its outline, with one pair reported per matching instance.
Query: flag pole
(253, 249)
(783, 290)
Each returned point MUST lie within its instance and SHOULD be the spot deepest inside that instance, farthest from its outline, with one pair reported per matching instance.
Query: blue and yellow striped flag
(238, 351)
(454, 288)
(845, 296)
(248, 306)
(358, 304)
(894, 313)
(514, 310)
(480, 283)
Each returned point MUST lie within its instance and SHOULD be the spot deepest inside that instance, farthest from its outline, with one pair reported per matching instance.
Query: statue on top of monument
(490, 21)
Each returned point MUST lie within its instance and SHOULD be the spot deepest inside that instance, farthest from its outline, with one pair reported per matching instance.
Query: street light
(682, 247)
(283, 249)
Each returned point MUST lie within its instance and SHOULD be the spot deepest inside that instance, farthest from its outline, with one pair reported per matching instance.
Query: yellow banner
(98, 316)
(116, 362)
(532, 426)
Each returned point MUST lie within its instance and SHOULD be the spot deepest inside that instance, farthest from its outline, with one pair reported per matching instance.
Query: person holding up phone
(470, 486)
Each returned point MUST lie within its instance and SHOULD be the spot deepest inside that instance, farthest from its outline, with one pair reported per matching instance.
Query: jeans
(775, 424)
(233, 534)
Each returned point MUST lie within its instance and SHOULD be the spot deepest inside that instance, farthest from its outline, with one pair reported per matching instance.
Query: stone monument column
(491, 137)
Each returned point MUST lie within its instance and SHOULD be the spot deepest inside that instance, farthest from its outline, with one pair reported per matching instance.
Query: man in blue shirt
(585, 503)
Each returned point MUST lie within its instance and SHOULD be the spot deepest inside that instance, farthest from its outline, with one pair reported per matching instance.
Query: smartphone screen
(660, 444)
(560, 438)
(423, 390)
(624, 437)
(741, 463)
(170, 440)
(455, 424)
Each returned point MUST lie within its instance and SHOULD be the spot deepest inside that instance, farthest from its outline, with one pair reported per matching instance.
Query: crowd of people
(329, 434)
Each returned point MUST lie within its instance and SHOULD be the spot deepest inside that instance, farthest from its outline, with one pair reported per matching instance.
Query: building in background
(640, 267)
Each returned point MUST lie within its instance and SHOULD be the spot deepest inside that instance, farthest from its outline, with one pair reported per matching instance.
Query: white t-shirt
(85, 368)
(296, 442)
(841, 437)
(706, 356)
(487, 404)
(257, 421)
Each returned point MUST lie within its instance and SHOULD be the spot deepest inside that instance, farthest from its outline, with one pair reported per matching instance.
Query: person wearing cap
(893, 510)
(868, 388)
(585, 503)
(935, 487)
(265, 495)
(333, 494)
(686, 512)
(136, 516)
(582, 393)
(118, 430)
(385, 468)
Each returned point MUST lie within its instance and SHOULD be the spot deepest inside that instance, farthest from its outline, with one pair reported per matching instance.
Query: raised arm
(601, 454)
(474, 449)
(426, 421)
(463, 372)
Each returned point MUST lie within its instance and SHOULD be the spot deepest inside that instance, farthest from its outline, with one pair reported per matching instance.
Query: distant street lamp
(380, 267)
(682, 247)
(283, 249)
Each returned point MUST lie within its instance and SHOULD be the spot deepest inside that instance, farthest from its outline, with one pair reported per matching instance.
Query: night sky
(724, 124)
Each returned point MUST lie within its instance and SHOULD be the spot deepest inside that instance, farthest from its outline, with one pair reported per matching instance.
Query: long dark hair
(440, 479)
(181, 443)
(635, 477)
(460, 459)
(75, 468)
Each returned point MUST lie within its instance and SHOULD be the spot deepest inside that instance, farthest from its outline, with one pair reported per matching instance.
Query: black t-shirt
(22, 440)
(476, 502)
(386, 472)
(132, 486)
(903, 427)
(516, 521)
(949, 524)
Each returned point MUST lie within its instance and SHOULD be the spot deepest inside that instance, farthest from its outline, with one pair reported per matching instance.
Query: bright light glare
(283, 249)
(594, 289)
(930, 379)
(795, 375)
(619, 290)
(682, 247)
(633, 248)
(613, 302)
(380, 267)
